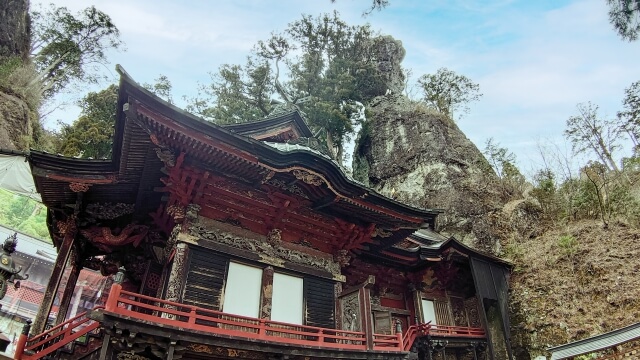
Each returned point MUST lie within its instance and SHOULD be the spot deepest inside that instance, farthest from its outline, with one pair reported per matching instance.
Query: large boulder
(420, 157)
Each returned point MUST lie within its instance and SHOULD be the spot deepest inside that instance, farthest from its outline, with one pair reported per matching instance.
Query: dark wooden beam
(56, 276)
(324, 202)
(69, 290)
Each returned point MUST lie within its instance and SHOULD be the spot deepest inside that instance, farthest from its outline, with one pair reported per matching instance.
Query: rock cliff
(418, 156)
(17, 108)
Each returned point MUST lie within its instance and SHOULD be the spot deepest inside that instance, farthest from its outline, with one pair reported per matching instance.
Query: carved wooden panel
(471, 306)
(205, 278)
(382, 322)
(458, 311)
(350, 306)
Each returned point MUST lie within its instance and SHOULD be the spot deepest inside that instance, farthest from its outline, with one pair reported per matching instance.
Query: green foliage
(589, 133)
(568, 244)
(68, 48)
(502, 161)
(23, 214)
(236, 93)
(318, 65)
(7, 67)
(162, 88)
(447, 91)
(630, 115)
(91, 135)
(624, 15)
(546, 192)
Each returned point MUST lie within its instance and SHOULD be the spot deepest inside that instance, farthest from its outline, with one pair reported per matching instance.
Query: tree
(162, 88)
(590, 133)
(447, 91)
(236, 93)
(624, 15)
(91, 135)
(318, 65)
(67, 48)
(501, 159)
(630, 116)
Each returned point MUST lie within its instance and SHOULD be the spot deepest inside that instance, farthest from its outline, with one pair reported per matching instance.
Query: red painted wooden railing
(55, 338)
(181, 316)
(158, 311)
(416, 331)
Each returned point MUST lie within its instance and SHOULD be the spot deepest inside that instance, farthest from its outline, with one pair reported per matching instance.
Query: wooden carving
(79, 187)
(265, 249)
(109, 211)
(105, 240)
(308, 177)
(350, 305)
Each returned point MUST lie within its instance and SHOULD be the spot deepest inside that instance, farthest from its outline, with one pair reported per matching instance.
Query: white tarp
(15, 176)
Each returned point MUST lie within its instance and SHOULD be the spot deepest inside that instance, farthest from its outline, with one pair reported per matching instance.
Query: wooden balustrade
(41, 345)
(167, 313)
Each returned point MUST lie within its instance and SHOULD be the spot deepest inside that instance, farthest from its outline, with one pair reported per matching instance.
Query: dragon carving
(105, 240)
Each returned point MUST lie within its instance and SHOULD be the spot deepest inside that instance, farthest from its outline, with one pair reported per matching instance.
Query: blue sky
(534, 60)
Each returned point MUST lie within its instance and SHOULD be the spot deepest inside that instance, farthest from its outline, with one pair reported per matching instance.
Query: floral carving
(109, 211)
(77, 187)
(274, 237)
(175, 284)
(294, 189)
(378, 232)
(307, 177)
(66, 226)
(265, 249)
(342, 257)
(166, 156)
(177, 212)
(130, 356)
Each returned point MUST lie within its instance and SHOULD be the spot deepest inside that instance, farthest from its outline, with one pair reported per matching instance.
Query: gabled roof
(279, 128)
(427, 246)
(596, 343)
(146, 123)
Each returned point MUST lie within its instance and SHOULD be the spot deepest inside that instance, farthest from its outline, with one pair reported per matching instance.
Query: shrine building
(246, 241)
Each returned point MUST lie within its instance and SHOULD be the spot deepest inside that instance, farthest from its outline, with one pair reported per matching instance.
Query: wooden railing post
(261, 329)
(114, 295)
(22, 340)
(192, 315)
(400, 345)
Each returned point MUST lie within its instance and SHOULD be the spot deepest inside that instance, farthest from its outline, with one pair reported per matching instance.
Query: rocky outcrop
(14, 29)
(420, 157)
(15, 126)
(17, 114)
(389, 53)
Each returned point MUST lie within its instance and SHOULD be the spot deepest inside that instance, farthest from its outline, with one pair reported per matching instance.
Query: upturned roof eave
(265, 153)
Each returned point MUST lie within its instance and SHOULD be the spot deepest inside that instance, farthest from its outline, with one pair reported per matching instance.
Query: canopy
(15, 176)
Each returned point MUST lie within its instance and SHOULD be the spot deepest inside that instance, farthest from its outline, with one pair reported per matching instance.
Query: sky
(534, 60)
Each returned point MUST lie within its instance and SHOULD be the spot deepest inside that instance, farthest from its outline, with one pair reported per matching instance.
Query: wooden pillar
(267, 292)
(365, 311)
(54, 282)
(69, 289)
(175, 285)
